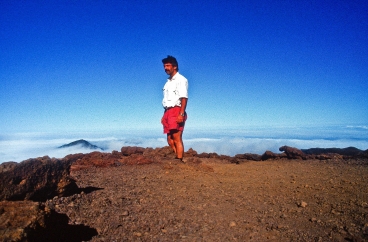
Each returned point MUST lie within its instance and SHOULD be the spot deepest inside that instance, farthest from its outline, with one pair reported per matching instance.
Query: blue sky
(69, 66)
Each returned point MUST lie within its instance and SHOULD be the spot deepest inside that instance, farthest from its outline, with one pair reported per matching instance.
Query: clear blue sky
(95, 65)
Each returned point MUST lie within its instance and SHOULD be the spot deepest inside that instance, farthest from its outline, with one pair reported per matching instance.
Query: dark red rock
(97, 159)
(129, 150)
(128, 156)
(349, 151)
(329, 156)
(225, 157)
(18, 220)
(116, 154)
(6, 166)
(159, 152)
(213, 155)
(136, 159)
(204, 155)
(293, 153)
(190, 153)
(363, 154)
(31, 221)
(37, 179)
(269, 155)
(248, 156)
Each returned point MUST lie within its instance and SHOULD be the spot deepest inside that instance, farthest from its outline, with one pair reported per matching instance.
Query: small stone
(232, 224)
(125, 213)
(71, 204)
(302, 204)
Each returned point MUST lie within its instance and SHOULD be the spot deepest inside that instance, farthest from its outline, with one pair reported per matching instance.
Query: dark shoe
(181, 159)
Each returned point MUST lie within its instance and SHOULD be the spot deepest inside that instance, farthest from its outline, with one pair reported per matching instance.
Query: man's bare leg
(171, 142)
(178, 142)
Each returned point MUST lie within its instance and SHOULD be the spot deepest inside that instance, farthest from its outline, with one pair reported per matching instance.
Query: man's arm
(183, 105)
(184, 102)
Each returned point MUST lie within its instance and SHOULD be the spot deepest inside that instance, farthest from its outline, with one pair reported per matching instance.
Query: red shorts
(169, 120)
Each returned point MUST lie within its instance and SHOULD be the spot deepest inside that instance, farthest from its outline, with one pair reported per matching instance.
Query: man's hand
(180, 119)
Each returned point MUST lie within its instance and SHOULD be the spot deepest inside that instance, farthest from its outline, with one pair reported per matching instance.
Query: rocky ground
(208, 199)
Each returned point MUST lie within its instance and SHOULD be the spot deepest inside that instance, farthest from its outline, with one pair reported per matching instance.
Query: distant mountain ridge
(83, 143)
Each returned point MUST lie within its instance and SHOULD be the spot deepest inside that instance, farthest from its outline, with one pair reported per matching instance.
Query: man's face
(170, 69)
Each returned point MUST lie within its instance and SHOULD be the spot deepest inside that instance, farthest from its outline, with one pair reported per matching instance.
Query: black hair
(172, 60)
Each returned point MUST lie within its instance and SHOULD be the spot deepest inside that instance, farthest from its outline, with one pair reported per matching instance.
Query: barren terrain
(211, 200)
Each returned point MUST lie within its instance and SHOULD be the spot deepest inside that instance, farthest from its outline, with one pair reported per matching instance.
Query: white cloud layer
(24, 146)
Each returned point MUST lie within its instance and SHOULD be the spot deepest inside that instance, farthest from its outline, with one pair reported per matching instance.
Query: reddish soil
(209, 200)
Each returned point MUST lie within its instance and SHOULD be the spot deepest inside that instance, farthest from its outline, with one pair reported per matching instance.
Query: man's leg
(171, 142)
(178, 143)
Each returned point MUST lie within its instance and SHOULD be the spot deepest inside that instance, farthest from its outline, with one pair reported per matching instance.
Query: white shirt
(174, 89)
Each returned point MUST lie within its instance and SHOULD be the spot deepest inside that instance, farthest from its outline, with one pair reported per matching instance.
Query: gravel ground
(209, 200)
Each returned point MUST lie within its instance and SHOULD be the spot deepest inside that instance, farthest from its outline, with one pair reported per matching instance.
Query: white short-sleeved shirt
(174, 89)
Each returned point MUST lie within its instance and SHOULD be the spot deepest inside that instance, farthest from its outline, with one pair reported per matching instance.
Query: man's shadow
(87, 190)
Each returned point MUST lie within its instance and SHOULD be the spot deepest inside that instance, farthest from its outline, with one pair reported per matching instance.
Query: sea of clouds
(19, 147)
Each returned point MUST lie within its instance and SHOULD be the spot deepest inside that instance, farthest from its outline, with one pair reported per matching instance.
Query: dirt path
(212, 201)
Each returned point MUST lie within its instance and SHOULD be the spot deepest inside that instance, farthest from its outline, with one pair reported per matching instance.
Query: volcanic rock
(37, 179)
(164, 152)
(97, 159)
(191, 153)
(269, 155)
(19, 220)
(129, 150)
(327, 156)
(31, 221)
(248, 156)
(6, 166)
(349, 151)
(204, 155)
(293, 153)
(136, 159)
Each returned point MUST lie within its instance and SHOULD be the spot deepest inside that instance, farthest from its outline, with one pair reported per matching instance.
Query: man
(174, 102)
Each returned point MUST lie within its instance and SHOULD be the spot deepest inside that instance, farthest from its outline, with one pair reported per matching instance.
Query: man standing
(174, 102)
